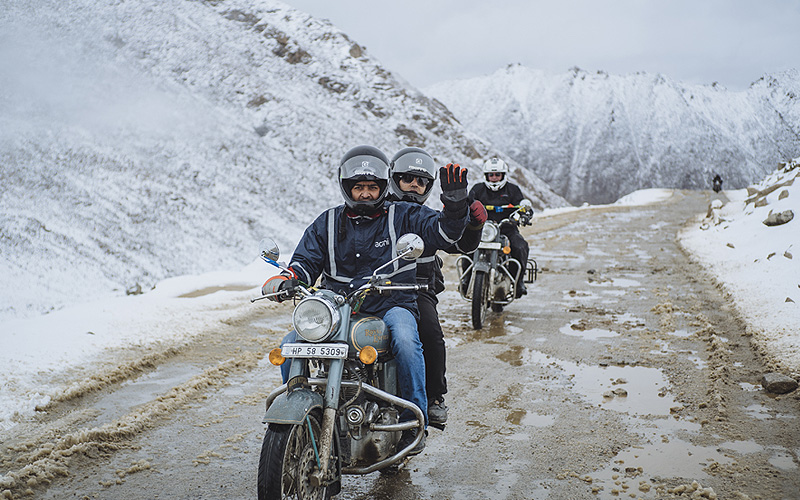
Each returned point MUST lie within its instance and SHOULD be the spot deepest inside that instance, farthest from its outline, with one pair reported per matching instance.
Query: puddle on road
(493, 327)
(783, 460)
(748, 387)
(671, 458)
(522, 417)
(644, 402)
(645, 388)
(761, 412)
(513, 356)
(616, 282)
(578, 329)
(142, 390)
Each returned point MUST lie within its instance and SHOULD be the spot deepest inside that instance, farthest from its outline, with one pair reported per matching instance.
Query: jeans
(407, 351)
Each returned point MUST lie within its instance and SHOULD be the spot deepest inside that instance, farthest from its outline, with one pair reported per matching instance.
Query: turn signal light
(275, 357)
(506, 250)
(368, 355)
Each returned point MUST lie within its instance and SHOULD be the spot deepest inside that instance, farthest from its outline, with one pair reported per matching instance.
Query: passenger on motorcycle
(412, 174)
(496, 191)
(345, 244)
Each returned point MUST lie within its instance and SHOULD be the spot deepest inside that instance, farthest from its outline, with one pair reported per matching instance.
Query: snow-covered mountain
(595, 137)
(148, 139)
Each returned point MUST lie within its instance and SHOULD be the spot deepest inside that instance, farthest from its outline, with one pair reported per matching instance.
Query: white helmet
(494, 166)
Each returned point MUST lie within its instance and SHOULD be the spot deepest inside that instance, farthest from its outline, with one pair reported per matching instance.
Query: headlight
(489, 232)
(315, 319)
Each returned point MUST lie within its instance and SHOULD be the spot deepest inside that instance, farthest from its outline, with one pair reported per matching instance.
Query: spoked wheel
(287, 460)
(480, 300)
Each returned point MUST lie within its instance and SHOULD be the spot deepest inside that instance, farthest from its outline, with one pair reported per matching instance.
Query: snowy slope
(596, 137)
(755, 256)
(149, 139)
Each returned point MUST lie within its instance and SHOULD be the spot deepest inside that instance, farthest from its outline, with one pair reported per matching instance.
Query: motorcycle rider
(496, 191)
(717, 183)
(346, 243)
(412, 173)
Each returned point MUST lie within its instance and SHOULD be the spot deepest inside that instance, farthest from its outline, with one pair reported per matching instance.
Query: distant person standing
(717, 183)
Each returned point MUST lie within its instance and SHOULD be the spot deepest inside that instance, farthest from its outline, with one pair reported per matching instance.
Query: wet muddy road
(622, 374)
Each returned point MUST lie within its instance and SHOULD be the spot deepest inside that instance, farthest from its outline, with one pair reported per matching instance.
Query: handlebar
(388, 288)
(366, 288)
(502, 208)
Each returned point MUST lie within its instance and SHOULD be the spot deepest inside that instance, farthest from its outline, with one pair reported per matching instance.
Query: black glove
(453, 180)
(279, 283)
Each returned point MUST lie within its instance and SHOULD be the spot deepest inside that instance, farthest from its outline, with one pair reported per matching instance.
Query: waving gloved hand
(453, 180)
(277, 284)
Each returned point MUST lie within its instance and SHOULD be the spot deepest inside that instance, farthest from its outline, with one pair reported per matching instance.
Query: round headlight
(489, 232)
(315, 319)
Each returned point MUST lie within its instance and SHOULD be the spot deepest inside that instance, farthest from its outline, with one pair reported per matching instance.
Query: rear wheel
(480, 299)
(287, 460)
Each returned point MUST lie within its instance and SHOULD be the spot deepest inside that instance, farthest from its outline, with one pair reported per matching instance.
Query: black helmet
(414, 161)
(363, 163)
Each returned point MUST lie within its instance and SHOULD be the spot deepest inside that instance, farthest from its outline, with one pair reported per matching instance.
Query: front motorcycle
(490, 275)
(339, 411)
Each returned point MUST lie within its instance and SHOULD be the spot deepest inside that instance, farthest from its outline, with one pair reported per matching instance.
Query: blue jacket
(346, 250)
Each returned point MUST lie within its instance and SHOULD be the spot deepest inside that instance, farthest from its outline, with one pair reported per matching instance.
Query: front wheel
(480, 299)
(287, 460)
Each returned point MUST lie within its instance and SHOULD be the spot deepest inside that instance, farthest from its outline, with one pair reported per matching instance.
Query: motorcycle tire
(498, 308)
(287, 458)
(480, 300)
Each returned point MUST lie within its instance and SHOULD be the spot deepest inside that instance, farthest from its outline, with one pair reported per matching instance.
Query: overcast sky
(733, 42)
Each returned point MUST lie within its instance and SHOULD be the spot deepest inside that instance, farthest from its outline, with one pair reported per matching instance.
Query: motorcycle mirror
(268, 250)
(410, 246)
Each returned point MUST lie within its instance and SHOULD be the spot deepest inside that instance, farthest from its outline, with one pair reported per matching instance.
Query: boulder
(777, 383)
(778, 219)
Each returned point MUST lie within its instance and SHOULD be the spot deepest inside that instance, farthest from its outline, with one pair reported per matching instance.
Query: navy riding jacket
(345, 250)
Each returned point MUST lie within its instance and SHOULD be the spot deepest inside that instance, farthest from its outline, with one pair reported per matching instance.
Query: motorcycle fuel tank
(369, 330)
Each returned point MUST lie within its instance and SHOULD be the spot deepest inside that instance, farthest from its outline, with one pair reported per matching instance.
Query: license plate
(492, 245)
(333, 351)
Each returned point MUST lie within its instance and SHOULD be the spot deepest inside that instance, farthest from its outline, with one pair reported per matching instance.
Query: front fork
(333, 386)
(331, 401)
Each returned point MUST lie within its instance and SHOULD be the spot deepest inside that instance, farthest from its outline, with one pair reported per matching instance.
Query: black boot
(437, 411)
(408, 437)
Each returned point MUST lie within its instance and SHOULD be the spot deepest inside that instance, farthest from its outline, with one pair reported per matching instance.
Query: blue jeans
(407, 351)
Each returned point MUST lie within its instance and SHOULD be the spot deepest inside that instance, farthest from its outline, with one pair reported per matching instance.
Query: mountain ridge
(595, 137)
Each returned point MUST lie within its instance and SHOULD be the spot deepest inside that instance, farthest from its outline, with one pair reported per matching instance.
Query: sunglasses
(409, 178)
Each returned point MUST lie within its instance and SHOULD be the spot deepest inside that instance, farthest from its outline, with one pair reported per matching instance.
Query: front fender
(481, 266)
(292, 407)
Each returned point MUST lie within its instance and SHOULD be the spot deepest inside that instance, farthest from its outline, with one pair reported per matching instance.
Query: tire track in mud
(51, 447)
(53, 459)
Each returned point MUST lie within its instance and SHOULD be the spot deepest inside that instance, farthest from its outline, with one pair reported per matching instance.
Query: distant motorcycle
(339, 411)
(489, 276)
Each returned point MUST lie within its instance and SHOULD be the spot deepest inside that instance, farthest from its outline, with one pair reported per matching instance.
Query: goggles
(409, 178)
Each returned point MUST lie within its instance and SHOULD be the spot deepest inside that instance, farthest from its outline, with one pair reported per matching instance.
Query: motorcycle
(339, 411)
(489, 276)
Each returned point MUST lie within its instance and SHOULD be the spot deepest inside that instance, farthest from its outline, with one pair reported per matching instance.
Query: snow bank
(757, 264)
